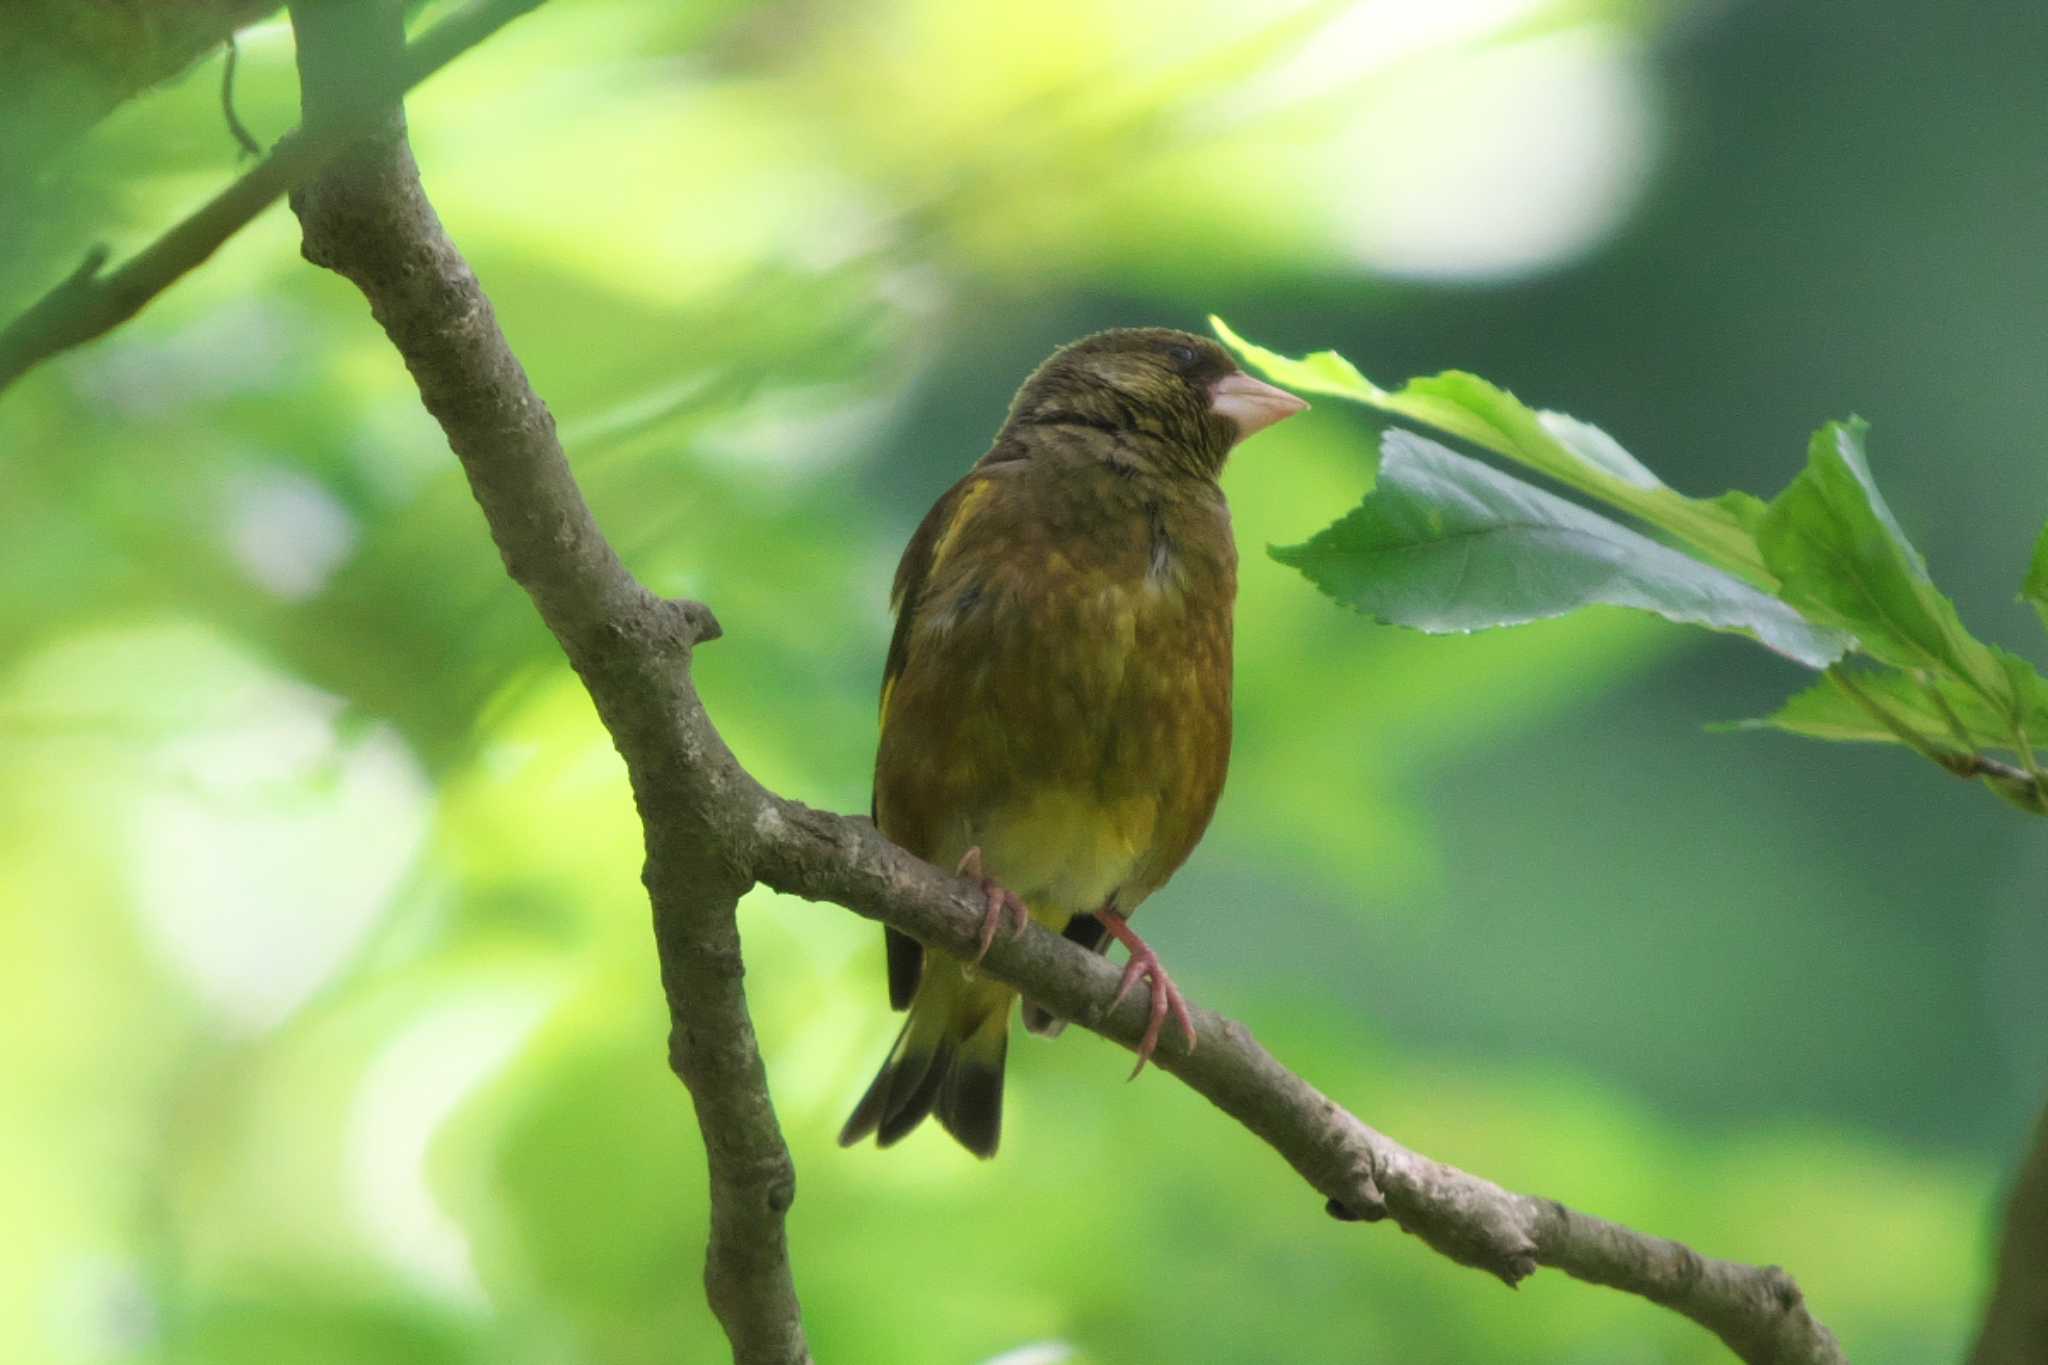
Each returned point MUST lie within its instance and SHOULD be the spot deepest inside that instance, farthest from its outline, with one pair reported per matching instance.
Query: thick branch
(2015, 1328)
(368, 219)
(89, 304)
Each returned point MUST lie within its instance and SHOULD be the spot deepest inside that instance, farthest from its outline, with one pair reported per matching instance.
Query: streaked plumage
(1057, 692)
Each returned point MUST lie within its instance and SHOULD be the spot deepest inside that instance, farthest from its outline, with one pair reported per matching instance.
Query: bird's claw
(1166, 999)
(1001, 904)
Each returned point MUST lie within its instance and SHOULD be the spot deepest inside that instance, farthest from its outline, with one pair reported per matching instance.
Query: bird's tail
(948, 1060)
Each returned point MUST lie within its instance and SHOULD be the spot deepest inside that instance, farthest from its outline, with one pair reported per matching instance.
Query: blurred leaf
(1574, 453)
(1444, 543)
(301, 1325)
(1844, 561)
(580, 1177)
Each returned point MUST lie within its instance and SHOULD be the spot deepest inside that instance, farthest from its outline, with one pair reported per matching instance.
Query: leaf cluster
(1822, 574)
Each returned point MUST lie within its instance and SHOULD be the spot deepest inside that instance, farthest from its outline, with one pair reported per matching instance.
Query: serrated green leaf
(1944, 712)
(1318, 372)
(2035, 586)
(1828, 548)
(2027, 714)
(1825, 711)
(1842, 560)
(1444, 543)
(1576, 454)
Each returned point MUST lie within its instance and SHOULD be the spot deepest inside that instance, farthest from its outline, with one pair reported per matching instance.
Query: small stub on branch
(699, 624)
(1345, 1213)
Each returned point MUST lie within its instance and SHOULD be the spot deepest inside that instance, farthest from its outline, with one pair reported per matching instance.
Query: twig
(2022, 786)
(2015, 785)
(236, 128)
(88, 304)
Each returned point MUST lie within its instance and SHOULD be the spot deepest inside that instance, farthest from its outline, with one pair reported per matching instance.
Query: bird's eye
(1182, 356)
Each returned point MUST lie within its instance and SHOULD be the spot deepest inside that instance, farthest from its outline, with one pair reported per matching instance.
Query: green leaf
(1576, 454)
(2026, 716)
(1828, 546)
(2035, 587)
(1842, 560)
(1926, 715)
(1825, 711)
(1444, 543)
(1943, 712)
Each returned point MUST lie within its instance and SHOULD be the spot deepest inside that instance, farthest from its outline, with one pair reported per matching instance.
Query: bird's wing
(934, 538)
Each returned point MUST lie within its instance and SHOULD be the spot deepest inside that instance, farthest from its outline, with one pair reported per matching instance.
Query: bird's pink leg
(1001, 903)
(1166, 997)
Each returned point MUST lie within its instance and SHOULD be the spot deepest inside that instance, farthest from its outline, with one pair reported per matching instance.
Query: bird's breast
(1065, 703)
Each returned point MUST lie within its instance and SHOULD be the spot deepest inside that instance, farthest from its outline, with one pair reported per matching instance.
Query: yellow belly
(1064, 851)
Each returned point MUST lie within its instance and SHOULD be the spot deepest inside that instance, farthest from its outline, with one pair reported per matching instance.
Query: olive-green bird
(1056, 704)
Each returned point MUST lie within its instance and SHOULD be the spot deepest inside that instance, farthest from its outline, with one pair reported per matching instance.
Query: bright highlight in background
(1536, 152)
(1453, 149)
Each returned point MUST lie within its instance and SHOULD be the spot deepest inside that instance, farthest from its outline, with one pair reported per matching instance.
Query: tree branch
(368, 219)
(2015, 1328)
(88, 304)
(1363, 1173)
(711, 830)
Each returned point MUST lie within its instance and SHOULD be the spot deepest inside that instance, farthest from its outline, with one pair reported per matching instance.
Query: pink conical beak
(1251, 404)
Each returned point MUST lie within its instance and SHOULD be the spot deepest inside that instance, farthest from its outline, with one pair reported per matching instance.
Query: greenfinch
(1055, 717)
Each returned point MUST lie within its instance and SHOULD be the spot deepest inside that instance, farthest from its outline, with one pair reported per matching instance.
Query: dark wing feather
(906, 964)
(906, 954)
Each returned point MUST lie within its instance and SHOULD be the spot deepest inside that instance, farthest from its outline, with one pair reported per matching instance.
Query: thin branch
(88, 304)
(238, 130)
(1363, 1173)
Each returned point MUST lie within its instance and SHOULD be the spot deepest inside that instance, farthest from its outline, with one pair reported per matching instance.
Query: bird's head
(1182, 391)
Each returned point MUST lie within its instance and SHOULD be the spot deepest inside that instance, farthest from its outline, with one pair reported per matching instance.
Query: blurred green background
(333, 1032)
